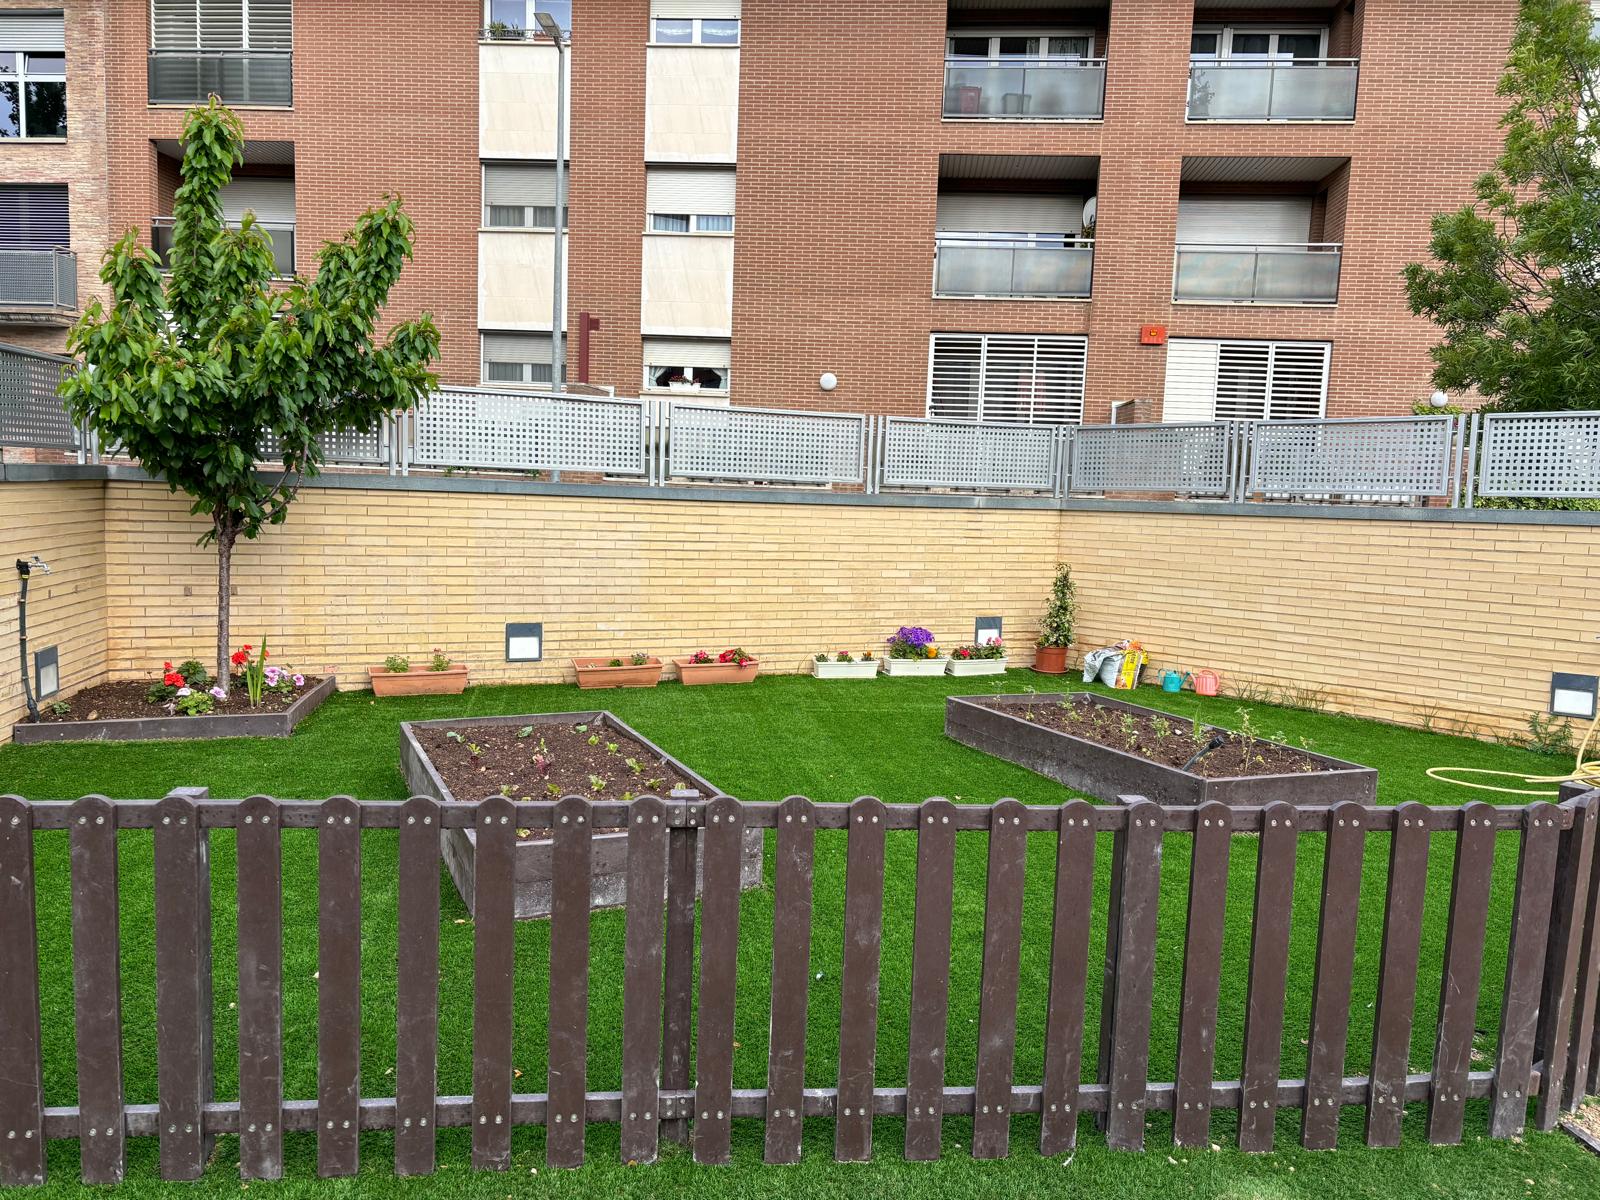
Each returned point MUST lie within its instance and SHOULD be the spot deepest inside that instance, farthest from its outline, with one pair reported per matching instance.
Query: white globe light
(1439, 399)
(828, 382)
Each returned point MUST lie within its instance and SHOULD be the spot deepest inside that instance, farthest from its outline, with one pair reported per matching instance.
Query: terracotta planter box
(1051, 660)
(418, 681)
(867, 669)
(915, 666)
(694, 674)
(152, 729)
(1106, 773)
(609, 886)
(978, 666)
(599, 673)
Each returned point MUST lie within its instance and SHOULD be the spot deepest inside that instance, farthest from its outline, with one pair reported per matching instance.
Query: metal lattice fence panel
(1540, 454)
(1399, 457)
(961, 454)
(766, 445)
(362, 447)
(1151, 458)
(31, 411)
(517, 432)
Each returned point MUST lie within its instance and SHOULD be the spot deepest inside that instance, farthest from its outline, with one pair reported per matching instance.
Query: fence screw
(164, 820)
(269, 1126)
(498, 1120)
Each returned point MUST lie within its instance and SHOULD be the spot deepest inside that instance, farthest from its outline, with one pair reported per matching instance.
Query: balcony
(279, 234)
(38, 286)
(989, 265)
(1301, 89)
(1025, 89)
(249, 78)
(1269, 274)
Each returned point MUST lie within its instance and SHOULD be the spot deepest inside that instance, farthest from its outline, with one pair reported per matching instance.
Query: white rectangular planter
(977, 666)
(861, 669)
(914, 666)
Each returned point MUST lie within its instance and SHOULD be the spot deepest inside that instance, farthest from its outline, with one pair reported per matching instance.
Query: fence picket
(791, 978)
(97, 988)
(1330, 997)
(1002, 960)
(1269, 975)
(1519, 1011)
(719, 963)
(183, 986)
(339, 988)
(1069, 972)
(1463, 971)
(260, 902)
(678, 998)
(22, 1082)
(858, 988)
(1585, 1071)
(1202, 975)
(641, 987)
(571, 853)
(1129, 1065)
(493, 962)
(1573, 865)
(416, 1072)
(1397, 981)
(930, 979)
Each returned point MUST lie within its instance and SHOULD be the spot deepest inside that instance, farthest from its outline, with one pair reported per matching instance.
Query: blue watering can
(1172, 681)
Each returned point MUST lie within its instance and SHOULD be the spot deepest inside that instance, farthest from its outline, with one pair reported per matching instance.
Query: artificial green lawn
(832, 742)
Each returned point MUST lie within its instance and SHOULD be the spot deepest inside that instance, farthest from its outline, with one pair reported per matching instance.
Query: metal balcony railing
(1300, 89)
(253, 78)
(1010, 265)
(279, 234)
(44, 281)
(1292, 273)
(1040, 89)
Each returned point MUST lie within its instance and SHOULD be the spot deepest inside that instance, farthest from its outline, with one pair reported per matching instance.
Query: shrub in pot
(986, 658)
(844, 665)
(731, 666)
(437, 677)
(912, 652)
(1055, 627)
(637, 670)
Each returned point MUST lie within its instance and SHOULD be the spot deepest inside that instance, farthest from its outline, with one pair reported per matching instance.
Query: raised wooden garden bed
(246, 723)
(1121, 749)
(542, 757)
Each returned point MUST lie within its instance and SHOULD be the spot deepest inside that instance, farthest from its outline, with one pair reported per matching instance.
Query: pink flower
(299, 680)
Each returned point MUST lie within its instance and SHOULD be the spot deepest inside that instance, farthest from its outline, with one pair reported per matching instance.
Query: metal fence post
(1471, 465)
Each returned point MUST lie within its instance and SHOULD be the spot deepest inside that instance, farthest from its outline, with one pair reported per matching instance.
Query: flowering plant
(979, 650)
(844, 656)
(253, 671)
(912, 641)
(700, 656)
(735, 656)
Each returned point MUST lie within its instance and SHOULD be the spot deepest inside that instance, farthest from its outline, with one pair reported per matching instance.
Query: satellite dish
(1089, 210)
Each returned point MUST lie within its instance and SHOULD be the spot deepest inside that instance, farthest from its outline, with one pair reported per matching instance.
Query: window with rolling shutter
(34, 217)
(523, 358)
(222, 24)
(520, 196)
(695, 363)
(1245, 381)
(1007, 378)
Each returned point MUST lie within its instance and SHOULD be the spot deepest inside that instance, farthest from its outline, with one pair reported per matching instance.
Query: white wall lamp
(1439, 399)
(828, 381)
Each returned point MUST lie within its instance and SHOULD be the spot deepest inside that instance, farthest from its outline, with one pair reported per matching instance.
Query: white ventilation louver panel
(1211, 380)
(1008, 378)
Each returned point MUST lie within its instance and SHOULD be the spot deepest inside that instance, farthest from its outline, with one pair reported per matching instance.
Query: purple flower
(913, 635)
(299, 681)
(218, 692)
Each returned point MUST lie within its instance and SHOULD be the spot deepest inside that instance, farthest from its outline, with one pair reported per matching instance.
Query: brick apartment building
(1132, 210)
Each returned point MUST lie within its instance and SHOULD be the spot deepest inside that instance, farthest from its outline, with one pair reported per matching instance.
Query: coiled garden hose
(1583, 771)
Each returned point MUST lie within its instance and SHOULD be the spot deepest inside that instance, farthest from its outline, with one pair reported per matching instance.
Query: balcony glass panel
(280, 236)
(1306, 274)
(254, 78)
(1264, 90)
(991, 265)
(1042, 89)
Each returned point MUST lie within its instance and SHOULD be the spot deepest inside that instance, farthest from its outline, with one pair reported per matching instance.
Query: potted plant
(682, 383)
(980, 658)
(731, 666)
(637, 670)
(912, 652)
(1055, 627)
(438, 677)
(844, 665)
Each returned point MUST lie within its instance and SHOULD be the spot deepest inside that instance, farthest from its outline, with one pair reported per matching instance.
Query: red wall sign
(1152, 335)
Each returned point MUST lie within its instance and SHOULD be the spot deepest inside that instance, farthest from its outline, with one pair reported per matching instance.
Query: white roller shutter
(976, 212)
(1245, 381)
(272, 200)
(525, 185)
(694, 8)
(33, 31)
(673, 190)
(687, 352)
(1244, 220)
(1005, 377)
(517, 348)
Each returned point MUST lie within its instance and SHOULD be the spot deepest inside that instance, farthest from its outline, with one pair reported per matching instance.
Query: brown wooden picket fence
(1547, 1049)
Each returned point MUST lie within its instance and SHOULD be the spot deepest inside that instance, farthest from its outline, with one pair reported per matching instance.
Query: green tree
(1515, 284)
(202, 371)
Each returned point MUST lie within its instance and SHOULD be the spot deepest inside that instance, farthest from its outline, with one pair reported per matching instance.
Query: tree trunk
(227, 528)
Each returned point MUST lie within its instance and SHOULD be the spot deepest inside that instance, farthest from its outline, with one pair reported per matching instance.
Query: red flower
(249, 647)
(166, 666)
(173, 679)
(239, 658)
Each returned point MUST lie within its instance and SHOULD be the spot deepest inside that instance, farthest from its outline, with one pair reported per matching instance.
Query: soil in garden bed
(550, 759)
(1170, 741)
(129, 700)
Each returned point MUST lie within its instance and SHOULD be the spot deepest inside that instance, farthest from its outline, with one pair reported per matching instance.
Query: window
(681, 364)
(680, 200)
(34, 217)
(520, 196)
(691, 223)
(694, 31)
(520, 358)
(517, 19)
(33, 76)
(1044, 45)
(1245, 381)
(260, 25)
(1226, 42)
(1006, 377)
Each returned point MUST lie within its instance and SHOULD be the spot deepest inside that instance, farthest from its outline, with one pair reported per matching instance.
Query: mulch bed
(1170, 741)
(545, 761)
(129, 699)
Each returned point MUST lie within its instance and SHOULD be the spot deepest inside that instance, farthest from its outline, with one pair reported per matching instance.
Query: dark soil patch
(1171, 741)
(546, 760)
(129, 699)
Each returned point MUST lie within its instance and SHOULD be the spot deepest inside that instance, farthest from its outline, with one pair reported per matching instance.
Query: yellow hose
(1584, 771)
